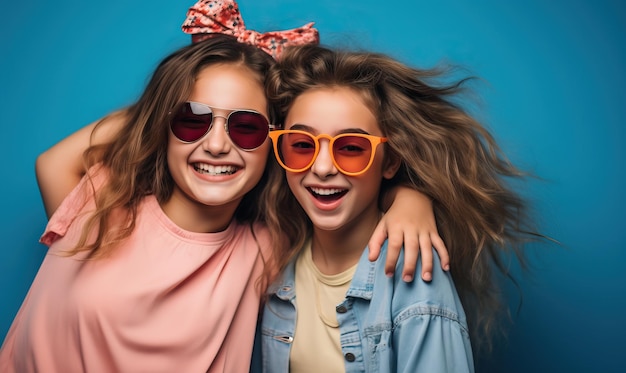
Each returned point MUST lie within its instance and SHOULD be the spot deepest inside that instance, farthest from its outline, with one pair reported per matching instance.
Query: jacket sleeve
(430, 339)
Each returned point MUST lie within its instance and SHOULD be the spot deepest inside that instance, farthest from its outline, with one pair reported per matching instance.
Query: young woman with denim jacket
(354, 125)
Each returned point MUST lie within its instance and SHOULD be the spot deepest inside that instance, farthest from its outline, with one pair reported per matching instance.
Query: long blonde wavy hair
(446, 154)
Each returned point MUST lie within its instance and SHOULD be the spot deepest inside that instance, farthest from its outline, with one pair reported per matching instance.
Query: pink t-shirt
(167, 300)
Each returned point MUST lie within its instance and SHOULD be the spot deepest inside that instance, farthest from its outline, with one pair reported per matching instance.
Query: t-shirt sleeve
(77, 202)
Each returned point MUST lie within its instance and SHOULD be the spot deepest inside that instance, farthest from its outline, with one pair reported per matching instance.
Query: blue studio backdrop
(552, 92)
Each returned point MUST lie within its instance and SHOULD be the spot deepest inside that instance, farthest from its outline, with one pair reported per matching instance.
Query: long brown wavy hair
(137, 158)
(446, 154)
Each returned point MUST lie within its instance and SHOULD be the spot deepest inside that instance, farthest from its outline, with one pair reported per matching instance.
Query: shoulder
(80, 199)
(252, 238)
(257, 232)
(439, 296)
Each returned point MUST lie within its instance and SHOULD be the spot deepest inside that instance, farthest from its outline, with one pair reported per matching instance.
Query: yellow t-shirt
(316, 345)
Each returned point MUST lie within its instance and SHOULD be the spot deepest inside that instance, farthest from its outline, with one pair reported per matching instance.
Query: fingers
(442, 251)
(394, 244)
(411, 256)
(426, 252)
(376, 241)
(415, 237)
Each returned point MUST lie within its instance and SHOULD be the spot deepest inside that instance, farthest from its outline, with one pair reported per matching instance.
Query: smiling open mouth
(214, 170)
(327, 195)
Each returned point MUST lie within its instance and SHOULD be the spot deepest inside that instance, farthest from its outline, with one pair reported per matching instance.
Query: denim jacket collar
(285, 288)
(362, 285)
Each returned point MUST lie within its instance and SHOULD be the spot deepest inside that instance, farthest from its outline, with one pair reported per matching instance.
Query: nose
(216, 141)
(323, 165)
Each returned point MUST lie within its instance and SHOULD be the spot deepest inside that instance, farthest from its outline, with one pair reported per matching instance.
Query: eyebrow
(304, 127)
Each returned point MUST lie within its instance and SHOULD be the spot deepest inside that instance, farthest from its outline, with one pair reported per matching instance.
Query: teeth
(215, 170)
(326, 192)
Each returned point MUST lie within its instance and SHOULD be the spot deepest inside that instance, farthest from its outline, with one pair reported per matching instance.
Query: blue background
(553, 95)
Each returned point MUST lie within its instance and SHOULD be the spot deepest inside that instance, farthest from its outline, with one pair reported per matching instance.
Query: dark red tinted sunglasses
(247, 129)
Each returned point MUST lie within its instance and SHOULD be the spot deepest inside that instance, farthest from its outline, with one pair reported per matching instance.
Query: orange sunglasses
(351, 153)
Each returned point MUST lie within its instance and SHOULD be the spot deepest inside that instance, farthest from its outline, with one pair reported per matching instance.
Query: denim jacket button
(350, 357)
(341, 309)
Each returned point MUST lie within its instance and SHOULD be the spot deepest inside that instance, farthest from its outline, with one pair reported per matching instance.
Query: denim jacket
(386, 325)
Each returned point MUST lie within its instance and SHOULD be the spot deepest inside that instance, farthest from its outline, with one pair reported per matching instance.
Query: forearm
(399, 193)
(60, 168)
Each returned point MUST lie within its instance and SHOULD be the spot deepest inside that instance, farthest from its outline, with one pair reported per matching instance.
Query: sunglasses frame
(374, 142)
(173, 114)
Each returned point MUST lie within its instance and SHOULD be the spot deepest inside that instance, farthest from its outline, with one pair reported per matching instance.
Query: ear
(391, 165)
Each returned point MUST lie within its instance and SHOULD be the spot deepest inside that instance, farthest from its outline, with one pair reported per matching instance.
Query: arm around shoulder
(60, 168)
(409, 222)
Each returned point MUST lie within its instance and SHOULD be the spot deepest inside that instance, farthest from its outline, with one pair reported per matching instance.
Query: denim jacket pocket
(379, 350)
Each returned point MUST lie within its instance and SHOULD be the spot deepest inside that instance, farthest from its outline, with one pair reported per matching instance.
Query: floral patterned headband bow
(222, 16)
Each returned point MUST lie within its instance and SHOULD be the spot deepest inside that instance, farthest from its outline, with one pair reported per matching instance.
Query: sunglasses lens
(352, 153)
(296, 150)
(248, 130)
(191, 122)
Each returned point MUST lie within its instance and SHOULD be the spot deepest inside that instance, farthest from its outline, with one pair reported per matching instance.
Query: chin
(328, 226)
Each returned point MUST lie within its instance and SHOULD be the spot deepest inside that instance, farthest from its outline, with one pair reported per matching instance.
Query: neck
(337, 250)
(196, 217)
